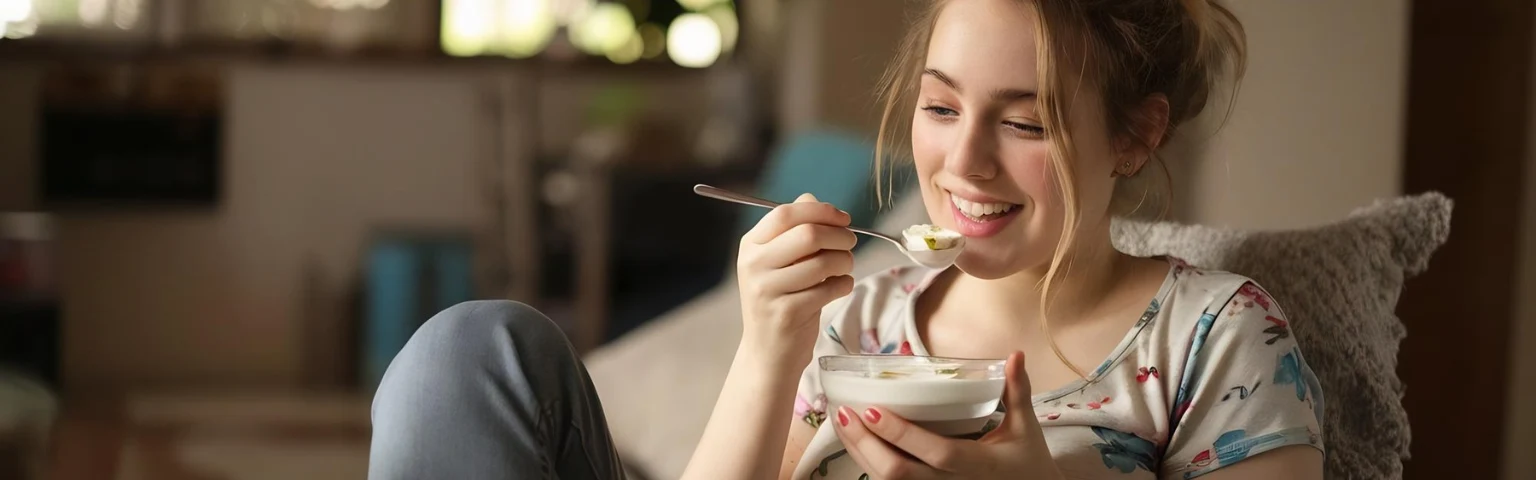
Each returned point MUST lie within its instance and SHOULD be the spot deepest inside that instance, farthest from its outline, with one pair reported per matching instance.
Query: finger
(840, 418)
(848, 445)
(784, 217)
(878, 458)
(805, 240)
(1020, 416)
(828, 290)
(810, 272)
(936, 451)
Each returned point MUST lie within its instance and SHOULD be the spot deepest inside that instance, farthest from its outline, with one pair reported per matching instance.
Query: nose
(973, 155)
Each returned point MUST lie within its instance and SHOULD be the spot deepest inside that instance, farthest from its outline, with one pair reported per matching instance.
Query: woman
(1032, 123)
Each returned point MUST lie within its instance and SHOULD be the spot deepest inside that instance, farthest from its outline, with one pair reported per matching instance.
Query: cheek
(1035, 175)
(927, 148)
(930, 149)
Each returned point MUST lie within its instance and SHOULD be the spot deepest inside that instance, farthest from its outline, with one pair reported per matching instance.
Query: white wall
(1320, 112)
(315, 157)
(836, 53)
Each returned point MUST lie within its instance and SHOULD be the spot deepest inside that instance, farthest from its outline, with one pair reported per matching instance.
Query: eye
(1027, 130)
(939, 111)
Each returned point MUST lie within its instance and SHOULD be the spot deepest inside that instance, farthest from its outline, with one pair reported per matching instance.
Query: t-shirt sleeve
(1247, 388)
(840, 324)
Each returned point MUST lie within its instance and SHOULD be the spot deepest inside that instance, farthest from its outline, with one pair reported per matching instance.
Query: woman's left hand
(889, 447)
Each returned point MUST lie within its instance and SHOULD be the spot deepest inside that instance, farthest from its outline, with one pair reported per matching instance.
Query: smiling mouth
(981, 212)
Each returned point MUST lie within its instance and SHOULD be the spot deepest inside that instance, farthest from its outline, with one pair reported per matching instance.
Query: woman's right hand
(794, 262)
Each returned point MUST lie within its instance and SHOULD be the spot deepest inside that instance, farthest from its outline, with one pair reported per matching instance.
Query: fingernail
(872, 415)
(842, 418)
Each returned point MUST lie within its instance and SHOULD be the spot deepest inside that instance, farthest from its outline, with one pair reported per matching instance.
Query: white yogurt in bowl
(945, 395)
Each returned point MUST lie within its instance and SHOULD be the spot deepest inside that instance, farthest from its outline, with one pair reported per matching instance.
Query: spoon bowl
(935, 259)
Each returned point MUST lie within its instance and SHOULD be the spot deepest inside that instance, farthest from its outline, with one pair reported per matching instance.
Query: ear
(1149, 122)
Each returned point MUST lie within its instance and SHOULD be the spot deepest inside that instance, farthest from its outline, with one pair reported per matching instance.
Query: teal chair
(836, 167)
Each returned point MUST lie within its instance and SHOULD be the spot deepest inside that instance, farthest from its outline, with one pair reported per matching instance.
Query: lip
(977, 197)
(974, 229)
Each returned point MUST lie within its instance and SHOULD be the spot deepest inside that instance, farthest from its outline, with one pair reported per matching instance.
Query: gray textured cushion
(1339, 284)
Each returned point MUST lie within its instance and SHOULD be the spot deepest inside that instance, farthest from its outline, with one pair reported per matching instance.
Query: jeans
(489, 390)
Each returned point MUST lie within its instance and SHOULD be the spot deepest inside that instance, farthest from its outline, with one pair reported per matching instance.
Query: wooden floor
(213, 436)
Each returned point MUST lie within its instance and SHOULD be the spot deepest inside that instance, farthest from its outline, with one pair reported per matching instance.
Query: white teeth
(977, 210)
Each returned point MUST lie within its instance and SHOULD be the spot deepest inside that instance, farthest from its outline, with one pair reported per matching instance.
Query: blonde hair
(1126, 50)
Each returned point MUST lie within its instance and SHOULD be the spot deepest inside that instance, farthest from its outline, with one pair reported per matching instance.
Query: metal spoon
(927, 258)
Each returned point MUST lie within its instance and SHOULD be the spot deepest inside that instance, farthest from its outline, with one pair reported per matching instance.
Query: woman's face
(980, 149)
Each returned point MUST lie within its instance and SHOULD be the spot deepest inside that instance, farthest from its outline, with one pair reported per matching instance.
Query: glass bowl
(950, 396)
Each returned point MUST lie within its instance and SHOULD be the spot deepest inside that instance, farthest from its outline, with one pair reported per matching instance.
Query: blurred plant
(696, 33)
(615, 105)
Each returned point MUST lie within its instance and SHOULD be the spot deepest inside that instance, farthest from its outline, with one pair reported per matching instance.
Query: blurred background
(220, 218)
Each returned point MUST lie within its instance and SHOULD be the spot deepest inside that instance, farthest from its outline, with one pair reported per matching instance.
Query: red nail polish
(872, 415)
(842, 417)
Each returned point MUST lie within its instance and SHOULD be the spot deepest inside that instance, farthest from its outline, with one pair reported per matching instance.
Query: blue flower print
(1125, 452)
(1288, 371)
(832, 334)
(1181, 400)
(1291, 369)
(1235, 445)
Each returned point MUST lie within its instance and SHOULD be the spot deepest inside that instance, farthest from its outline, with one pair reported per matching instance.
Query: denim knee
(471, 326)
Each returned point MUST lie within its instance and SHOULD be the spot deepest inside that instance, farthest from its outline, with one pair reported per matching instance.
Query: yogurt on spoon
(932, 246)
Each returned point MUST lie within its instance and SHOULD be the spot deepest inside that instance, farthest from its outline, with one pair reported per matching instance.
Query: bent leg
(489, 389)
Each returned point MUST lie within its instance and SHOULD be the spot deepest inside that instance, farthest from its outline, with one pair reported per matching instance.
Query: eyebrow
(1002, 94)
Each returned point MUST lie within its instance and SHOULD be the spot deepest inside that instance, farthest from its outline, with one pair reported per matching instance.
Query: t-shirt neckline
(915, 340)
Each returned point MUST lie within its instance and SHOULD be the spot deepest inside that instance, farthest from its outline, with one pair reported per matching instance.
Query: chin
(987, 263)
(1007, 253)
(982, 270)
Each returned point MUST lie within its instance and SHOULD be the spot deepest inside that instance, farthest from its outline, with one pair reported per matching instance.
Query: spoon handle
(729, 196)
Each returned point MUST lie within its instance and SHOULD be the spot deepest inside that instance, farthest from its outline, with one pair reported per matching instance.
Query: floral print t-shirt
(1209, 375)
